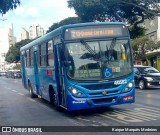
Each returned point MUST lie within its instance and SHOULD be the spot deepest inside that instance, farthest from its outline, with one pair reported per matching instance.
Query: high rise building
(35, 31)
(7, 40)
(24, 34)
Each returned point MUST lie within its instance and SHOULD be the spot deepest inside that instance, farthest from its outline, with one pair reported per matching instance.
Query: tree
(132, 11)
(13, 54)
(143, 45)
(6, 5)
(69, 20)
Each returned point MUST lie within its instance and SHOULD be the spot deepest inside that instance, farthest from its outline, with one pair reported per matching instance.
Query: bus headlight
(129, 86)
(76, 93)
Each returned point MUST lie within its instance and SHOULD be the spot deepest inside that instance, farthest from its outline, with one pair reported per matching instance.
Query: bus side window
(31, 57)
(50, 58)
(27, 58)
(42, 55)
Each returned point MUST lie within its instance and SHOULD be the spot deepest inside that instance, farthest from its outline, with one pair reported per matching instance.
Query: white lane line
(14, 91)
(8, 88)
(147, 106)
(110, 117)
(146, 111)
(146, 115)
(21, 94)
(135, 115)
(79, 118)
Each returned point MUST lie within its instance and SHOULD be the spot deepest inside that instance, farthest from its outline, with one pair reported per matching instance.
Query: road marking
(147, 106)
(135, 115)
(94, 123)
(109, 117)
(79, 118)
(123, 117)
(14, 91)
(21, 94)
(8, 88)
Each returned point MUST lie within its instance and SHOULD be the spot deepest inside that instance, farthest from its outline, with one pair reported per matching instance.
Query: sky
(43, 12)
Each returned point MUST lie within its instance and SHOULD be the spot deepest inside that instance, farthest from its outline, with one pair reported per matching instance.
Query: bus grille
(108, 93)
(103, 100)
(100, 86)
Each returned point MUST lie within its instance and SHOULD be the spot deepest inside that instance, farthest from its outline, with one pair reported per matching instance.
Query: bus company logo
(104, 92)
(79, 102)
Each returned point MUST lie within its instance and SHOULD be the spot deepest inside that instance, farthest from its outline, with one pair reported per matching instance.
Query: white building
(24, 34)
(152, 28)
(35, 31)
(7, 39)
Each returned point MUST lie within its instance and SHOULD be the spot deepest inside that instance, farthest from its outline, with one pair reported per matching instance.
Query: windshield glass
(146, 70)
(98, 60)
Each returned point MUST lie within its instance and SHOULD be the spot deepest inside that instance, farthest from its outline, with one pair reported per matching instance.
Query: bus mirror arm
(66, 63)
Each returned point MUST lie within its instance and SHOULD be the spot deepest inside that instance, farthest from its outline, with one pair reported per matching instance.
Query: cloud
(33, 11)
(19, 11)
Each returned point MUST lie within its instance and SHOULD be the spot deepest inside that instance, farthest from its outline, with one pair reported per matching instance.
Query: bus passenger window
(31, 57)
(27, 58)
(50, 54)
(42, 54)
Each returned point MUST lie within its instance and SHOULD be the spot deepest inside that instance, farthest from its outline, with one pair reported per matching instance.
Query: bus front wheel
(53, 100)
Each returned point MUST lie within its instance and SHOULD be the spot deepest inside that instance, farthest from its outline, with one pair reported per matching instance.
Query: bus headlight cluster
(77, 93)
(74, 91)
(129, 86)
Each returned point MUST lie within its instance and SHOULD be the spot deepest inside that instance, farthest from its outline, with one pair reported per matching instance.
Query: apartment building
(6, 41)
(36, 31)
(24, 34)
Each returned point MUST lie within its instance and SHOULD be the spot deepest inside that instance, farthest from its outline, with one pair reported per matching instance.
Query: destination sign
(95, 31)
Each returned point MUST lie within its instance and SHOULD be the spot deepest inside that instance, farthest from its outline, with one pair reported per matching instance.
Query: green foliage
(132, 11)
(6, 5)
(136, 32)
(143, 45)
(70, 20)
(13, 54)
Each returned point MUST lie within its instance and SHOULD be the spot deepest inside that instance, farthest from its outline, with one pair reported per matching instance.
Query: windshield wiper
(88, 47)
(113, 43)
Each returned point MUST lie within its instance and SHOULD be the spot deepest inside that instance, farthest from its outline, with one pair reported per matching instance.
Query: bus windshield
(97, 60)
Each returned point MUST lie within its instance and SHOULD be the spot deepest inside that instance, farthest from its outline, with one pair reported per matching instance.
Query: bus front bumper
(104, 101)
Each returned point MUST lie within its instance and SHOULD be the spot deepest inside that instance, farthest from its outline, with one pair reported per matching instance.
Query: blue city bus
(80, 66)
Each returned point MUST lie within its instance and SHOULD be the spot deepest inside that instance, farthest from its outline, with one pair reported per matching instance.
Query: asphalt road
(18, 109)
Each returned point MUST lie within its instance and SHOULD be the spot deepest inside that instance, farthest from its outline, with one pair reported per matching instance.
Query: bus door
(23, 71)
(61, 87)
(37, 82)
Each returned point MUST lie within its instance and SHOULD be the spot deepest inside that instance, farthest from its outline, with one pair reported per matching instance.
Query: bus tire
(53, 100)
(31, 94)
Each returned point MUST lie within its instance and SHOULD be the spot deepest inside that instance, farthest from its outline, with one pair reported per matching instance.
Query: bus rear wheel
(32, 95)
